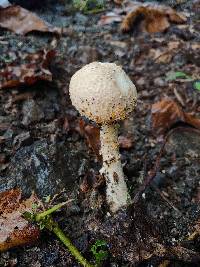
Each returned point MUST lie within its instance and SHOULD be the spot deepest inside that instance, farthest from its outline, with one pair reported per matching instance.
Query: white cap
(102, 92)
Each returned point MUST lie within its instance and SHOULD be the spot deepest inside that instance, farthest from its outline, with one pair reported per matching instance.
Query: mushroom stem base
(116, 191)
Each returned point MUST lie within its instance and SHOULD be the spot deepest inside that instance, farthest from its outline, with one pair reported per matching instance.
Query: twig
(67, 242)
(56, 196)
(156, 167)
(164, 198)
(42, 215)
(179, 97)
(152, 174)
(45, 220)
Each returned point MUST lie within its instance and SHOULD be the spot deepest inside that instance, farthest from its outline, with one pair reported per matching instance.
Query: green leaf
(171, 76)
(100, 251)
(34, 206)
(197, 85)
(28, 216)
(47, 199)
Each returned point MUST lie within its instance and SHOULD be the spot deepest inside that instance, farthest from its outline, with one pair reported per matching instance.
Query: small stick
(47, 221)
(45, 213)
(156, 167)
(164, 198)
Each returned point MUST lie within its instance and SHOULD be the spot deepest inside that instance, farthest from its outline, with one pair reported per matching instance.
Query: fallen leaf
(110, 18)
(171, 76)
(156, 18)
(197, 85)
(14, 229)
(22, 21)
(166, 53)
(166, 113)
(33, 68)
(92, 135)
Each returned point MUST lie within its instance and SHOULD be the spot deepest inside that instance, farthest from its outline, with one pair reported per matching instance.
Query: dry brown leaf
(118, 2)
(164, 54)
(34, 68)
(14, 229)
(109, 18)
(166, 113)
(92, 135)
(22, 21)
(157, 18)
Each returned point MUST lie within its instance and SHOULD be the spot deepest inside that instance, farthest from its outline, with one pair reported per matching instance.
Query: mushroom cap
(103, 92)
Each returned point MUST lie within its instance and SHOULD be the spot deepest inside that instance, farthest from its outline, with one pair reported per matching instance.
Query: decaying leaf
(14, 229)
(166, 113)
(156, 18)
(153, 17)
(33, 68)
(110, 17)
(22, 21)
(166, 53)
(92, 135)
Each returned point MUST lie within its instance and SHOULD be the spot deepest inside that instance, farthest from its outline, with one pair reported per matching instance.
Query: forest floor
(45, 146)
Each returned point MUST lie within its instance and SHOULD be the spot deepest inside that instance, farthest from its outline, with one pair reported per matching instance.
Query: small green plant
(45, 220)
(197, 85)
(100, 251)
(177, 75)
(174, 75)
(89, 6)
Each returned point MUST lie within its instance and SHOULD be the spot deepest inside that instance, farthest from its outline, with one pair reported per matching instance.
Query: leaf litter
(22, 21)
(166, 113)
(15, 230)
(142, 230)
(26, 68)
(155, 18)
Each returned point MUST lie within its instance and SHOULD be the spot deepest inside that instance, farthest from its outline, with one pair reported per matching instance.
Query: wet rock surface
(44, 168)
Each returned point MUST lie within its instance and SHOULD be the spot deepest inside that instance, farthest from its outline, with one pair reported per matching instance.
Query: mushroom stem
(116, 192)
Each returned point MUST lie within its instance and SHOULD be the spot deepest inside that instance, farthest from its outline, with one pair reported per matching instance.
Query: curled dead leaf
(22, 21)
(156, 18)
(92, 135)
(166, 113)
(110, 18)
(33, 68)
(14, 229)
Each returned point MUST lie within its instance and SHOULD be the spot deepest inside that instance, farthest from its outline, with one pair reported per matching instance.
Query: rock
(44, 108)
(23, 138)
(87, 54)
(159, 82)
(31, 112)
(81, 19)
(45, 168)
(184, 143)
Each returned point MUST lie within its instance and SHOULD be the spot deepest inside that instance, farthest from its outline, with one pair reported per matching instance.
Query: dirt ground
(42, 147)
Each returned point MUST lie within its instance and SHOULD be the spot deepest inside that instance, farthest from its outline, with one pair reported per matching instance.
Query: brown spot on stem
(115, 177)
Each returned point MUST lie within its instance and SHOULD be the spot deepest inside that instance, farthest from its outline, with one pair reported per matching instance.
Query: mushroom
(105, 94)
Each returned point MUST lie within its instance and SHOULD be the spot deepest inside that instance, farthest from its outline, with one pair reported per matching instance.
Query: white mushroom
(105, 94)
